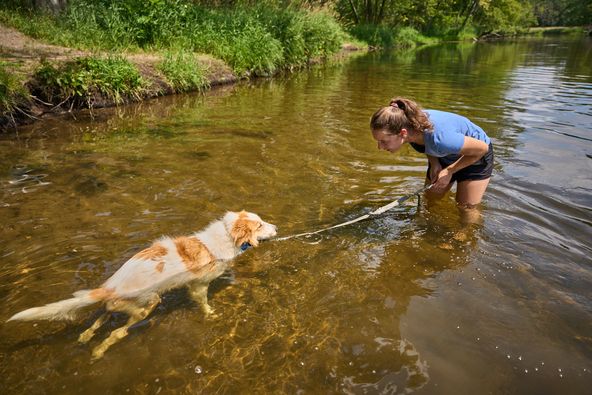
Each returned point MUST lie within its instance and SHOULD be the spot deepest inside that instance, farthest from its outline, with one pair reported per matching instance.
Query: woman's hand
(435, 169)
(441, 183)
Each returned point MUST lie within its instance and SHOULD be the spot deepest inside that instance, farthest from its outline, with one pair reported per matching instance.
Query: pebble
(198, 369)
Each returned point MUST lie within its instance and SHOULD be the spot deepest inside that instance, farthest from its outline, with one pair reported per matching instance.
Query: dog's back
(168, 263)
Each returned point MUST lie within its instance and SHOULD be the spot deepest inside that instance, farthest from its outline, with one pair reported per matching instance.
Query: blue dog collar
(245, 246)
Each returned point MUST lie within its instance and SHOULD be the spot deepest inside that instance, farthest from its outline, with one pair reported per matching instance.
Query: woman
(457, 149)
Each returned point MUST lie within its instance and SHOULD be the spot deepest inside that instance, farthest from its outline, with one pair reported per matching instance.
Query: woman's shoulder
(439, 115)
(448, 123)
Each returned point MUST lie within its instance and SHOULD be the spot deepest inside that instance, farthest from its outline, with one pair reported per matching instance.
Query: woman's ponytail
(401, 113)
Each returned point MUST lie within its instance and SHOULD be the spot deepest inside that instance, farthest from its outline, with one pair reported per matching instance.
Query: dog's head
(245, 227)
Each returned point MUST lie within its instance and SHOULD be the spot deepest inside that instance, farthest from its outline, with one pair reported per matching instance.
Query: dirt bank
(24, 54)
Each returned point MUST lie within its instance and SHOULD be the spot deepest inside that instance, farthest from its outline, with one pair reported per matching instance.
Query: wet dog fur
(136, 288)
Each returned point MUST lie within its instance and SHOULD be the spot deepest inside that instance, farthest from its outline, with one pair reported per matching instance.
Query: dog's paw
(85, 337)
(208, 310)
(97, 354)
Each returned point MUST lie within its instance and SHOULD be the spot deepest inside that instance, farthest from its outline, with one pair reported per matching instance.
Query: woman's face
(387, 141)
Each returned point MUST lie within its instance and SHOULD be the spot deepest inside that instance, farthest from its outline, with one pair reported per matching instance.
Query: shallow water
(412, 302)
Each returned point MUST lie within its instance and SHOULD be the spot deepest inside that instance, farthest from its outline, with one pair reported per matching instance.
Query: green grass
(259, 39)
(386, 37)
(83, 80)
(12, 91)
(375, 35)
(183, 72)
(554, 30)
(408, 37)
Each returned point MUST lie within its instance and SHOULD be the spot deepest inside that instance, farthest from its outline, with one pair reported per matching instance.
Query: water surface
(416, 301)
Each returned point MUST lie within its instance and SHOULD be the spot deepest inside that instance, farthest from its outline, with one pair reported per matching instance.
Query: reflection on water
(412, 302)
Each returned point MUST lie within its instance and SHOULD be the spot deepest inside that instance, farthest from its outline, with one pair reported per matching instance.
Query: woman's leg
(470, 192)
(468, 196)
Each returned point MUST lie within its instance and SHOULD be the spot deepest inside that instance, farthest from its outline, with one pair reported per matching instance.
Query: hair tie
(397, 104)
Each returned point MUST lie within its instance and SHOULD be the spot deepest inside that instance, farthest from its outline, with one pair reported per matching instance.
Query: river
(414, 302)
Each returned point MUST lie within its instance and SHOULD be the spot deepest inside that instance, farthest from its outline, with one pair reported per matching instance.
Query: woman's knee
(469, 193)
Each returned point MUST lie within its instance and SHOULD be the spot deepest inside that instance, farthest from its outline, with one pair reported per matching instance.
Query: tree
(563, 12)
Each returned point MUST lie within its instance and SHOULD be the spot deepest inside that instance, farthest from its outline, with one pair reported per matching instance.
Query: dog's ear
(245, 231)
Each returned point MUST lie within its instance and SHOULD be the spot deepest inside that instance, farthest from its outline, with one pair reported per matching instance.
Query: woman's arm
(471, 151)
(435, 168)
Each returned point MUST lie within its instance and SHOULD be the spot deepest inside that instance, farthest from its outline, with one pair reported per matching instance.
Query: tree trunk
(431, 21)
(381, 13)
(353, 7)
(55, 6)
(471, 11)
(368, 11)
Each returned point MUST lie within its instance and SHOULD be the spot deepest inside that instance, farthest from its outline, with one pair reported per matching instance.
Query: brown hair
(400, 113)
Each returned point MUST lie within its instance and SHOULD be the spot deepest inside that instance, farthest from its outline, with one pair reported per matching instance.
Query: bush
(83, 78)
(408, 37)
(375, 35)
(257, 39)
(12, 92)
(384, 37)
(183, 72)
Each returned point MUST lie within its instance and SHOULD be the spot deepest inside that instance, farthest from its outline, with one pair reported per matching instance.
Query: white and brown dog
(135, 288)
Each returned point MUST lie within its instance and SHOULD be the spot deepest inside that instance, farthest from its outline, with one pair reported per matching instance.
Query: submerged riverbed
(413, 302)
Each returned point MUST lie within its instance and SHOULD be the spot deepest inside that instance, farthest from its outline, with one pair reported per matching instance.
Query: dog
(135, 289)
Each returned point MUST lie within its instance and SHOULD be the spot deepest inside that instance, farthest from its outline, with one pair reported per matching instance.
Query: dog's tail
(62, 310)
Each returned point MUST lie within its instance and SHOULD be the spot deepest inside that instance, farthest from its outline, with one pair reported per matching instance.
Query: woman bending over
(457, 149)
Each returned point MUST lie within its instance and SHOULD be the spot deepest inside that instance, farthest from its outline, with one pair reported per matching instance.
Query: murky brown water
(413, 302)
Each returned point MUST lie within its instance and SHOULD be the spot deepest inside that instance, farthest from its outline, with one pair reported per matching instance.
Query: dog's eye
(259, 225)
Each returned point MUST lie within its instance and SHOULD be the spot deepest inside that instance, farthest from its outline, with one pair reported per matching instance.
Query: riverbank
(43, 79)
(100, 54)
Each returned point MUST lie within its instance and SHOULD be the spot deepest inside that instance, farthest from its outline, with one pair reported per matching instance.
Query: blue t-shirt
(448, 136)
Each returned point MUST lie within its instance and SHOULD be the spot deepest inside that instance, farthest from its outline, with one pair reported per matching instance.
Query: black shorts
(480, 170)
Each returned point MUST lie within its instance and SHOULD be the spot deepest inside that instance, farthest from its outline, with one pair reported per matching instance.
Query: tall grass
(554, 30)
(183, 72)
(12, 92)
(382, 36)
(84, 80)
(257, 39)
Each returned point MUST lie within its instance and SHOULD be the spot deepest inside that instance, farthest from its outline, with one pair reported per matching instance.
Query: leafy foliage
(256, 39)
(82, 78)
(183, 71)
(386, 37)
(12, 92)
(563, 12)
(438, 17)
